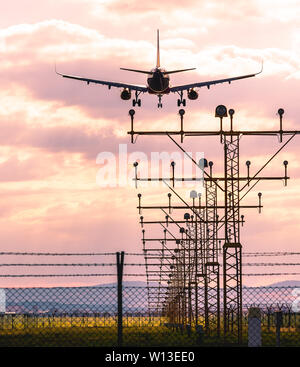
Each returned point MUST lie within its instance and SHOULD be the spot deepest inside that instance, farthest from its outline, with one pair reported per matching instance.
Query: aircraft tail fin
(158, 53)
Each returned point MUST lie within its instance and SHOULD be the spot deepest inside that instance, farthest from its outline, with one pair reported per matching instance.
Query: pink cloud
(134, 6)
(52, 201)
(31, 169)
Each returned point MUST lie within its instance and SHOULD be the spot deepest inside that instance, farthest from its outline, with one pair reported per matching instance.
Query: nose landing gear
(159, 101)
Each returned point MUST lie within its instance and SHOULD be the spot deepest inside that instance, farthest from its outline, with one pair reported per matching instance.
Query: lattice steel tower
(210, 228)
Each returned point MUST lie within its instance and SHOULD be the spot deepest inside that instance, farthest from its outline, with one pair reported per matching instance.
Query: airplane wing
(209, 83)
(139, 88)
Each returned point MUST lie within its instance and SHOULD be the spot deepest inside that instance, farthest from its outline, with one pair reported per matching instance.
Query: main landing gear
(159, 102)
(181, 101)
(137, 101)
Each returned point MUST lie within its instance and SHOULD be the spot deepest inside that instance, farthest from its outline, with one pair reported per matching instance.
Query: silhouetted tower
(213, 224)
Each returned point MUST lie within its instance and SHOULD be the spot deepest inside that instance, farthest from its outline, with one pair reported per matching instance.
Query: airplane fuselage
(158, 82)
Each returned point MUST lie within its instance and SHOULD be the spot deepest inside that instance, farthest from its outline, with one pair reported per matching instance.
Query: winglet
(262, 67)
(157, 55)
(56, 69)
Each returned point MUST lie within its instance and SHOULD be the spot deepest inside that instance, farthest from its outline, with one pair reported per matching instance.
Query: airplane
(158, 83)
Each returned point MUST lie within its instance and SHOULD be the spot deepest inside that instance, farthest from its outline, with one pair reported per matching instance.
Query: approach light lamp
(203, 163)
(221, 111)
(186, 216)
(231, 112)
(193, 194)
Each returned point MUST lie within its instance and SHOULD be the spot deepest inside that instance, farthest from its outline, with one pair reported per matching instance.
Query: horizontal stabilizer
(177, 71)
(137, 71)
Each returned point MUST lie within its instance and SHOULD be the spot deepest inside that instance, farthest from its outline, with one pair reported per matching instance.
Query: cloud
(283, 11)
(52, 129)
(134, 6)
(13, 169)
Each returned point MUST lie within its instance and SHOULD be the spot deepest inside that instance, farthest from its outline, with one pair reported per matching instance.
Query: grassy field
(65, 331)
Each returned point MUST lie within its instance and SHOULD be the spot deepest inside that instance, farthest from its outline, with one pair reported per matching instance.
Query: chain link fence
(89, 316)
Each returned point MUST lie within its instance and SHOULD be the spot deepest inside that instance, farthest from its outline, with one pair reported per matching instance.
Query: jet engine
(192, 94)
(126, 94)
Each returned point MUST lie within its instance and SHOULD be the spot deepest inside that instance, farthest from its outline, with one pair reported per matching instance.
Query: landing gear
(159, 101)
(181, 101)
(137, 101)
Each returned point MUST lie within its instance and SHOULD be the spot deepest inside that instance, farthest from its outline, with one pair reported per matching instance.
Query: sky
(53, 129)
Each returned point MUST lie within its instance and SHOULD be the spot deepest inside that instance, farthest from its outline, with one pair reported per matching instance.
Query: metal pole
(120, 265)
(196, 273)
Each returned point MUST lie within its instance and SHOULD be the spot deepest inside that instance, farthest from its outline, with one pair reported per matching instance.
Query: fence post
(120, 264)
(254, 327)
(200, 334)
(278, 321)
(269, 318)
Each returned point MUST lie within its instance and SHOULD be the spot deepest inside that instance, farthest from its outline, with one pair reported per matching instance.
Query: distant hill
(286, 283)
(103, 298)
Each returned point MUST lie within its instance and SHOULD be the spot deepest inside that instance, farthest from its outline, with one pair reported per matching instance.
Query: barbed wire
(245, 254)
(269, 274)
(275, 253)
(271, 264)
(57, 253)
(72, 264)
(76, 264)
(61, 275)
(248, 254)
(113, 274)
(134, 264)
